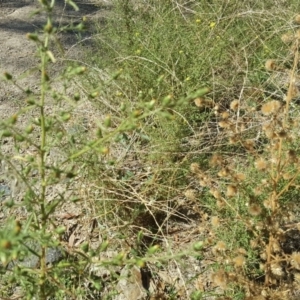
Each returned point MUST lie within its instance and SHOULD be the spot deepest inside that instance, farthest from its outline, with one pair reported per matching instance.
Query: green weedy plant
(30, 234)
(174, 48)
(29, 239)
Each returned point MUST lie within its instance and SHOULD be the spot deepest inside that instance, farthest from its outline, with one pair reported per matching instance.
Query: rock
(130, 285)
(4, 191)
(53, 255)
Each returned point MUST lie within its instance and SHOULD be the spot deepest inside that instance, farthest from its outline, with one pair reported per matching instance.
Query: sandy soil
(17, 53)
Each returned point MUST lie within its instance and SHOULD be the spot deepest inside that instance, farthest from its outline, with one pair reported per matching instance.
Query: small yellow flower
(198, 21)
(138, 51)
(188, 78)
(181, 51)
(212, 24)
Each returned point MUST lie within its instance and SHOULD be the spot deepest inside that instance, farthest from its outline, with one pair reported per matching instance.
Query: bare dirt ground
(17, 53)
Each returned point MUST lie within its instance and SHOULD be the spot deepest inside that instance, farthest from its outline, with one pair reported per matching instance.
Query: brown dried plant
(255, 194)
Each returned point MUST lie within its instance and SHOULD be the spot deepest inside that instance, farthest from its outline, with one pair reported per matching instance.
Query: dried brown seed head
(234, 139)
(287, 38)
(216, 160)
(224, 172)
(257, 191)
(297, 19)
(253, 244)
(271, 107)
(195, 168)
(276, 269)
(219, 279)
(249, 144)
(263, 256)
(297, 277)
(225, 115)
(220, 203)
(215, 221)
(200, 102)
(239, 261)
(220, 246)
(234, 105)
(276, 247)
(216, 193)
(231, 190)
(225, 124)
(295, 260)
(260, 164)
(270, 65)
(190, 194)
(268, 204)
(242, 251)
(254, 209)
(240, 177)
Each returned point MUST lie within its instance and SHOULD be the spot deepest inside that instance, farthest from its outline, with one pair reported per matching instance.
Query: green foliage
(39, 172)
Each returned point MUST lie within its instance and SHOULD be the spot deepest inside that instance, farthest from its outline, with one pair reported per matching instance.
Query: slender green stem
(43, 143)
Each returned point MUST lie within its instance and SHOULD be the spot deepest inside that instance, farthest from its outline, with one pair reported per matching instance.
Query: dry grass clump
(254, 196)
